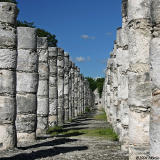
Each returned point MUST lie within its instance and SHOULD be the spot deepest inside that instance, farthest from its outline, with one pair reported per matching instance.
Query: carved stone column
(27, 85)
(8, 55)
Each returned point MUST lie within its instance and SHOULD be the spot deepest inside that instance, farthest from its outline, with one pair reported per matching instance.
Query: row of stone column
(40, 86)
(131, 96)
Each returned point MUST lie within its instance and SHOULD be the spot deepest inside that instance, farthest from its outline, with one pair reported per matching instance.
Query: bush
(87, 109)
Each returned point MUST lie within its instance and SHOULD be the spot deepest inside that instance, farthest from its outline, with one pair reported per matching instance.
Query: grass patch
(101, 117)
(104, 133)
(54, 131)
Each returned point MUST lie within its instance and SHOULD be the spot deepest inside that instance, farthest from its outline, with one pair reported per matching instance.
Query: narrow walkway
(73, 145)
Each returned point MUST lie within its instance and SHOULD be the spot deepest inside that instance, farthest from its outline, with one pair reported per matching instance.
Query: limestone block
(27, 61)
(139, 90)
(27, 82)
(43, 88)
(23, 137)
(43, 55)
(7, 138)
(43, 71)
(139, 125)
(42, 42)
(8, 12)
(8, 36)
(53, 92)
(138, 9)
(42, 125)
(41, 102)
(53, 106)
(8, 58)
(7, 109)
(27, 38)
(29, 100)
(155, 11)
(26, 123)
(7, 79)
(155, 60)
(52, 51)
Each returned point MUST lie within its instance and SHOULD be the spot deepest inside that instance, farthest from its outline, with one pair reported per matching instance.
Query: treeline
(96, 83)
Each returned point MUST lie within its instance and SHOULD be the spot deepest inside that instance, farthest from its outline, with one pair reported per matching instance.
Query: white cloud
(80, 59)
(109, 33)
(85, 36)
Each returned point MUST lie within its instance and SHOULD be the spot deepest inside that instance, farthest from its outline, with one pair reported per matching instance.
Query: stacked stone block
(27, 84)
(53, 88)
(8, 55)
(66, 86)
(60, 83)
(43, 86)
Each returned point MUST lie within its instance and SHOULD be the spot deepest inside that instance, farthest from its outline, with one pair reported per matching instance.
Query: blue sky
(84, 28)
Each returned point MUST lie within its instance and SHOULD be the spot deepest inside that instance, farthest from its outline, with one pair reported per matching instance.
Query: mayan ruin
(56, 103)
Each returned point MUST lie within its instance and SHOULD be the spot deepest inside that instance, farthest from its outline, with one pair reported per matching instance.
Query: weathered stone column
(60, 65)
(53, 88)
(70, 89)
(27, 84)
(139, 96)
(76, 91)
(82, 94)
(43, 86)
(73, 88)
(155, 77)
(66, 86)
(123, 65)
(8, 55)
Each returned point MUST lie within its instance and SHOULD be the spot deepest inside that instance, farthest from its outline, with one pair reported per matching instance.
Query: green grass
(101, 117)
(54, 131)
(104, 133)
(87, 110)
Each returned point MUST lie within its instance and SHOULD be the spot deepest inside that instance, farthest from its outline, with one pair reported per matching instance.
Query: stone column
(139, 96)
(70, 89)
(60, 65)
(123, 65)
(66, 86)
(155, 77)
(82, 94)
(76, 91)
(43, 86)
(27, 84)
(53, 88)
(73, 88)
(8, 55)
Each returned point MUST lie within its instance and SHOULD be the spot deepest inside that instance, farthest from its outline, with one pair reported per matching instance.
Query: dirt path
(73, 146)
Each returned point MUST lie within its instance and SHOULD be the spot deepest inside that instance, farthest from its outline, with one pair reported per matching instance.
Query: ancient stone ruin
(38, 84)
(131, 89)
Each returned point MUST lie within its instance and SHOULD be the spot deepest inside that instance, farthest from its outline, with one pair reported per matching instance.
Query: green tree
(52, 41)
(12, 1)
(96, 83)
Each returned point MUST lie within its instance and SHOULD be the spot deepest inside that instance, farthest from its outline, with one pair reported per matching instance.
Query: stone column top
(70, 64)
(66, 54)
(42, 42)
(60, 52)
(8, 12)
(155, 11)
(138, 9)
(53, 51)
(27, 38)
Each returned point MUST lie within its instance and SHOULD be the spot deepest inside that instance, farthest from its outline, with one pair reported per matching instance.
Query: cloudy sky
(84, 28)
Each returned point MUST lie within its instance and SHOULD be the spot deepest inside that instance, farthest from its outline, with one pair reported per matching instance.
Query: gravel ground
(68, 147)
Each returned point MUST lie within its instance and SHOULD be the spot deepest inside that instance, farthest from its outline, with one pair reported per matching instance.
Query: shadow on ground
(45, 153)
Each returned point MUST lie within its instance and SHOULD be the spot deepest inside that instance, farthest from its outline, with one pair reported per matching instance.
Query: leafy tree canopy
(96, 83)
(52, 41)
(12, 1)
